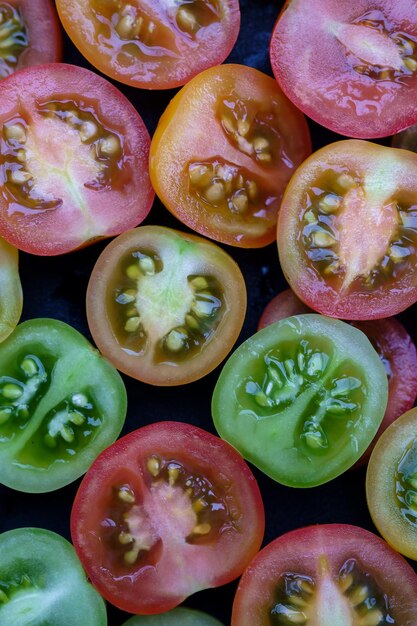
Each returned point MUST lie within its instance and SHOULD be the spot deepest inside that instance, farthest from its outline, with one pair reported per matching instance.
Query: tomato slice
(352, 67)
(391, 341)
(223, 152)
(301, 399)
(177, 617)
(176, 510)
(328, 575)
(29, 35)
(73, 160)
(165, 307)
(347, 233)
(391, 485)
(11, 297)
(42, 582)
(61, 404)
(153, 44)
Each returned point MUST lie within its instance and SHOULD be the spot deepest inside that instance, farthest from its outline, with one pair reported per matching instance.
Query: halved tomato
(73, 160)
(351, 66)
(164, 512)
(391, 485)
(154, 44)
(406, 139)
(391, 341)
(11, 296)
(165, 307)
(224, 151)
(347, 232)
(29, 35)
(329, 575)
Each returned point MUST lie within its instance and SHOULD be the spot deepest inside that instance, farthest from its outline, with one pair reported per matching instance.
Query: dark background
(56, 288)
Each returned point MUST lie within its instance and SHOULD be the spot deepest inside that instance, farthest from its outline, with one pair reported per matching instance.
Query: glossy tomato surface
(352, 67)
(176, 510)
(224, 151)
(177, 617)
(329, 575)
(29, 35)
(347, 231)
(152, 44)
(73, 160)
(165, 307)
(391, 485)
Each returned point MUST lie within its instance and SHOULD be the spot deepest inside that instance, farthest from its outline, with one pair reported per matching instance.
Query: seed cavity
(406, 484)
(67, 422)
(13, 38)
(17, 395)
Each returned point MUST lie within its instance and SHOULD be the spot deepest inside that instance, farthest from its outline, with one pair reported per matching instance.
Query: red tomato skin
(58, 231)
(293, 552)
(158, 584)
(350, 105)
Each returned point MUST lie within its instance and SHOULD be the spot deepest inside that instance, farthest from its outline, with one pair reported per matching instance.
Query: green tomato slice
(302, 399)
(42, 582)
(11, 298)
(61, 404)
(177, 617)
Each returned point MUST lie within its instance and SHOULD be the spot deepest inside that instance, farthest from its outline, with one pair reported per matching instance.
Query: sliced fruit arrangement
(73, 160)
(165, 307)
(29, 35)
(42, 582)
(177, 617)
(11, 296)
(352, 67)
(153, 44)
(302, 399)
(61, 404)
(176, 510)
(329, 575)
(347, 232)
(224, 151)
(391, 485)
(391, 341)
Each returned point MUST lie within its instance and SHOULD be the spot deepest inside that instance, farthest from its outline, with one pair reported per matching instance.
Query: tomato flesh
(329, 575)
(177, 617)
(352, 68)
(154, 44)
(11, 300)
(227, 182)
(347, 233)
(301, 399)
(166, 523)
(165, 307)
(73, 160)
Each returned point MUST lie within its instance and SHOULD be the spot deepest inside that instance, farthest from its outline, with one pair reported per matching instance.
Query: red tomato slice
(347, 232)
(329, 575)
(154, 44)
(73, 160)
(29, 35)
(176, 510)
(389, 338)
(351, 66)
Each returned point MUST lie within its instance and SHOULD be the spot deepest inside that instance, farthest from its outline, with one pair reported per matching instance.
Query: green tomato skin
(45, 584)
(294, 440)
(30, 460)
(177, 617)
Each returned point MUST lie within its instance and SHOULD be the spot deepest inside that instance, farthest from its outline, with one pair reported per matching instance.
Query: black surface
(56, 288)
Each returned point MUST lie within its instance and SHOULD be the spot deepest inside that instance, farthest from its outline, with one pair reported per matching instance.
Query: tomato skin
(210, 47)
(328, 89)
(299, 551)
(103, 212)
(181, 569)
(173, 247)
(44, 33)
(382, 481)
(285, 304)
(177, 617)
(178, 141)
(10, 289)
(370, 162)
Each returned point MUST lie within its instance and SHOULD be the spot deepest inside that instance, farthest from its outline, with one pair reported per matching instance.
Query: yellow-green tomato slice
(11, 297)
(177, 617)
(302, 399)
(42, 582)
(391, 484)
(61, 404)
